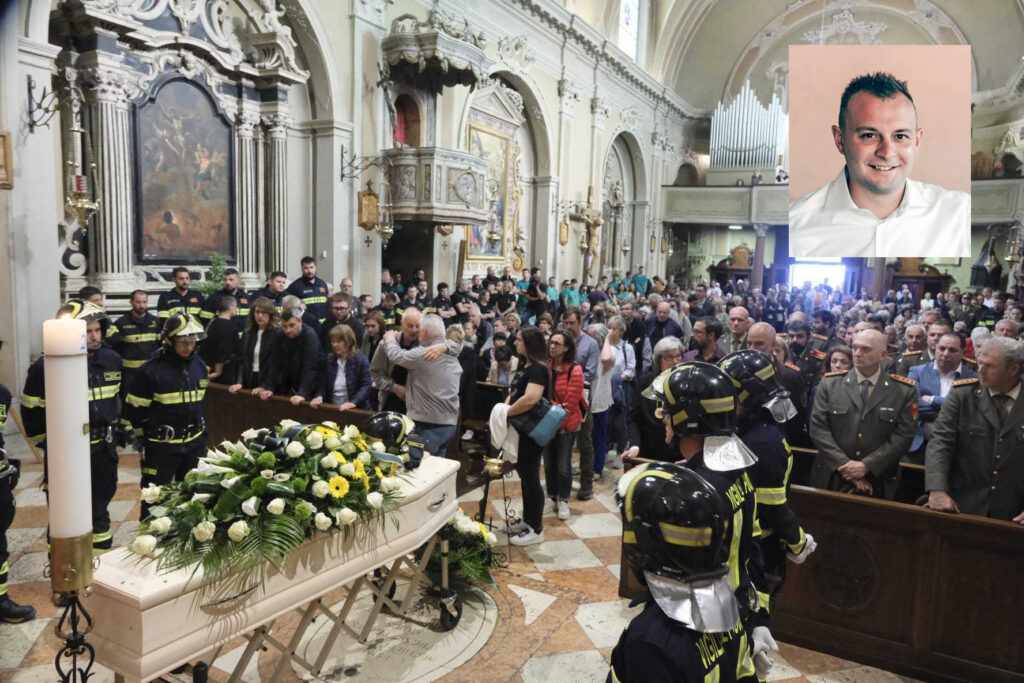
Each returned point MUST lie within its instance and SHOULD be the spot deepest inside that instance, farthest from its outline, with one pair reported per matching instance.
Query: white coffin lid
(123, 578)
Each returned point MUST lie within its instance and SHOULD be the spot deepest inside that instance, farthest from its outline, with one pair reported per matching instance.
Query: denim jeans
(436, 436)
(600, 440)
(558, 465)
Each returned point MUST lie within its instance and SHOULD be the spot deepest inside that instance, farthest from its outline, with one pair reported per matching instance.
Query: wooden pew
(931, 595)
(228, 415)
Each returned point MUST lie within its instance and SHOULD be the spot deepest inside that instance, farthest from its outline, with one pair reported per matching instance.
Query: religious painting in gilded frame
(185, 178)
(489, 241)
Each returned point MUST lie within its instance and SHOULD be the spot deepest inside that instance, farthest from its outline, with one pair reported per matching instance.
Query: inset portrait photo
(880, 150)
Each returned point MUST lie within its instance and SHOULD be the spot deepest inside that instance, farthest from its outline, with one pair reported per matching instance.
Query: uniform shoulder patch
(820, 336)
(965, 381)
(837, 373)
(970, 361)
(911, 353)
(820, 355)
(904, 380)
(792, 366)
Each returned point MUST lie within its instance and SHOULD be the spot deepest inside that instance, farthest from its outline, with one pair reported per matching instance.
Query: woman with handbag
(532, 383)
(569, 393)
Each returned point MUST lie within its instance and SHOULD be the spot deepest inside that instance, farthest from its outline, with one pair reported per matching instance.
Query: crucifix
(593, 219)
(367, 241)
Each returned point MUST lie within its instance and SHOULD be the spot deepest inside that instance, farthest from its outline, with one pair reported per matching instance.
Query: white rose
(467, 526)
(321, 489)
(332, 443)
(364, 457)
(267, 474)
(375, 499)
(346, 516)
(251, 506)
(377, 446)
(152, 494)
(295, 449)
(315, 440)
(492, 540)
(228, 483)
(329, 462)
(201, 497)
(350, 432)
(217, 458)
(276, 506)
(287, 424)
(348, 469)
(203, 531)
(283, 476)
(249, 434)
(388, 484)
(238, 531)
(144, 545)
(161, 525)
(322, 521)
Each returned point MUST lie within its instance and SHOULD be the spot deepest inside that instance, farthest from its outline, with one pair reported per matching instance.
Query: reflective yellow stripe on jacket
(178, 397)
(105, 391)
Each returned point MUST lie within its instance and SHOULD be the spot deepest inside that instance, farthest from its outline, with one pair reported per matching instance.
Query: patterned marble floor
(558, 611)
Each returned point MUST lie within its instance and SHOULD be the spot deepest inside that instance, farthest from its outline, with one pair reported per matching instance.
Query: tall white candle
(67, 427)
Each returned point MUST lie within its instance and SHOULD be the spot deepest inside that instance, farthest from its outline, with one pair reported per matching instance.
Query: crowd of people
(870, 382)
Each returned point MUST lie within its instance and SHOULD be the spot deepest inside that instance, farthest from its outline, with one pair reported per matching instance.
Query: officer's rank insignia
(792, 366)
(915, 410)
(904, 380)
(837, 373)
(820, 336)
(965, 381)
(970, 361)
(820, 355)
(911, 353)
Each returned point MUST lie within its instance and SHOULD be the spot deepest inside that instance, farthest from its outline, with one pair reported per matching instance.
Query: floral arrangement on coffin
(248, 504)
(469, 549)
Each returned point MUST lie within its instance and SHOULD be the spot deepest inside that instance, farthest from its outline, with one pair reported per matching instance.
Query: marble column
(757, 274)
(110, 235)
(276, 195)
(878, 278)
(247, 212)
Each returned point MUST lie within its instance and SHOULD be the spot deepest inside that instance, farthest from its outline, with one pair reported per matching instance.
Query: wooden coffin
(149, 623)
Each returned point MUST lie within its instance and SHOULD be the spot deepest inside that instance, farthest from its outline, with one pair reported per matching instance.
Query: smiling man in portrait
(873, 207)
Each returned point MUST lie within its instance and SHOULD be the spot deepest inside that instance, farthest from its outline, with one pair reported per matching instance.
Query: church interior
(470, 139)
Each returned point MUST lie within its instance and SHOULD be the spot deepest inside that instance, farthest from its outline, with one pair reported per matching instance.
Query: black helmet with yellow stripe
(181, 325)
(674, 523)
(759, 383)
(390, 428)
(80, 309)
(699, 398)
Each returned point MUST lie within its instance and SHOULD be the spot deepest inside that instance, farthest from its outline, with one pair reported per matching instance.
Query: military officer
(181, 299)
(823, 330)
(975, 458)
(862, 422)
(808, 352)
(137, 338)
(914, 339)
(232, 287)
(10, 611)
(165, 405)
(104, 370)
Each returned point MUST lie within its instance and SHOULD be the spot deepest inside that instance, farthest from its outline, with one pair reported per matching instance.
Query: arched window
(629, 27)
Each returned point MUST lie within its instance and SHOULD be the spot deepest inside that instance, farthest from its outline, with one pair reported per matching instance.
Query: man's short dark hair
(138, 291)
(225, 303)
(503, 353)
(178, 269)
(230, 271)
(88, 292)
(278, 273)
(307, 259)
(499, 336)
(798, 326)
(880, 84)
(713, 325)
(290, 314)
(825, 317)
(959, 338)
(441, 285)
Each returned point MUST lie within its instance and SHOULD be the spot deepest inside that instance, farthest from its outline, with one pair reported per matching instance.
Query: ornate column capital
(599, 108)
(277, 125)
(761, 229)
(568, 96)
(246, 124)
(108, 85)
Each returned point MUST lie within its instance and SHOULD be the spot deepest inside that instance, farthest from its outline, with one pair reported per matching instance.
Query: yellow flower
(339, 486)
(341, 458)
(394, 468)
(483, 529)
(360, 470)
(376, 470)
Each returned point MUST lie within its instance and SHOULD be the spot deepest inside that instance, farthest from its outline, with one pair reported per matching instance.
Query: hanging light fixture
(1014, 243)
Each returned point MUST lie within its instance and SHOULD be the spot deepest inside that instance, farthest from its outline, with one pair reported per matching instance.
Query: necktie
(1003, 405)
(865, 391)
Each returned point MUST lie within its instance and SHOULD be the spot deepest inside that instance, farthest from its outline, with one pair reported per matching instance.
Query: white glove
(809, 547)
(763, 644)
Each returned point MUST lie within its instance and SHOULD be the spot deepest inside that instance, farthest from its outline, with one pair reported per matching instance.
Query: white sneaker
(527, 537)
(563, 510)
(468, 435)
(549, 505)
(518, 527)
(617, 463)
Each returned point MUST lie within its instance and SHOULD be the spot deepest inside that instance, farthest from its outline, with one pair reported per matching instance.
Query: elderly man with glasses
(644, 424)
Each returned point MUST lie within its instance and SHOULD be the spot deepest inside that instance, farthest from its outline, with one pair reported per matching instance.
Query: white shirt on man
(929, 222)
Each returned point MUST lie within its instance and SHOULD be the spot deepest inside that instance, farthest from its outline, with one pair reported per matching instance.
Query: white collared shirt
(929, 222)
(946, 379)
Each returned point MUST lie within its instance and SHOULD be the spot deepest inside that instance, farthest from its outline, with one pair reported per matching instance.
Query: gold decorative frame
(6, 162)
(511, 196)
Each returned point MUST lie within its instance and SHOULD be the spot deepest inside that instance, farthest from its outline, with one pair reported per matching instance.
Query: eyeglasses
(676, 355)
(555, 343)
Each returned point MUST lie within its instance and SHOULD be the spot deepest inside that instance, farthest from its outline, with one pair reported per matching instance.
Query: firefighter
(675, 532)
(165, 405)
(698, 406)
(138, 338)
(10, 611)
(105, 428)
(311, 290)
(180, 299)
